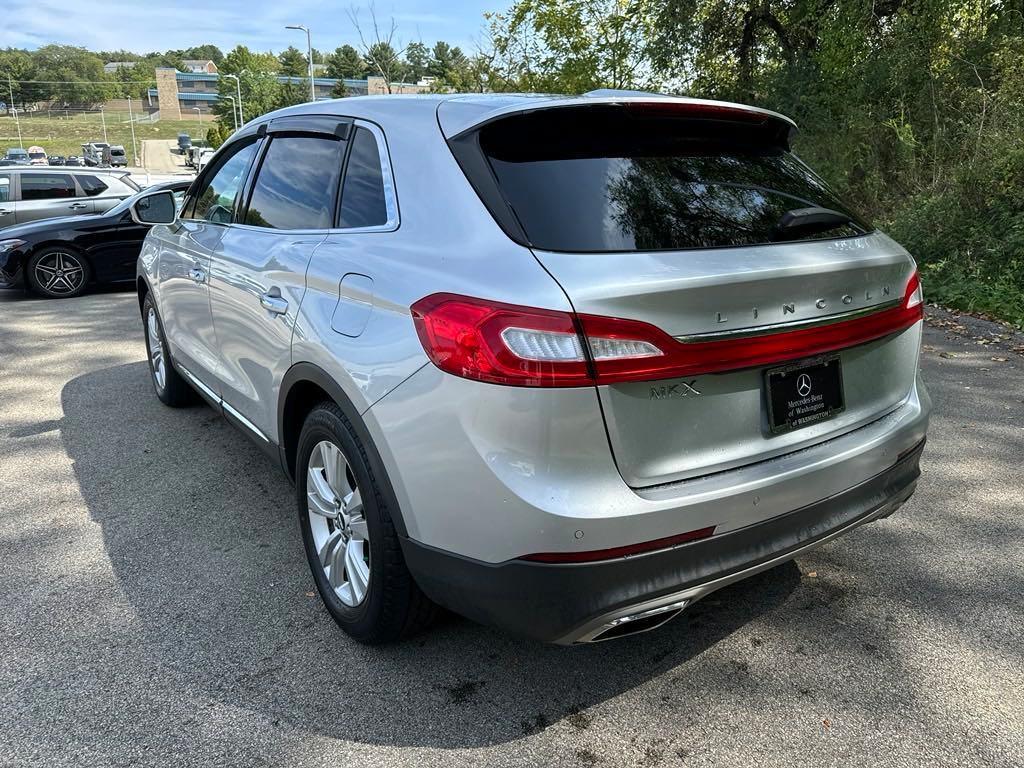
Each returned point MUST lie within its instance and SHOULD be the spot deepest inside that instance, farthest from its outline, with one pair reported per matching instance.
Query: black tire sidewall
(323, 423)
(36, 288)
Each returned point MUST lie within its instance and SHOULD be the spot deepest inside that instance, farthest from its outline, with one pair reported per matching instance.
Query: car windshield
(36, 155)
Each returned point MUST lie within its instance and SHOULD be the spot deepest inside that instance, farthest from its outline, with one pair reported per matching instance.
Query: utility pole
(131, 121)
(17, 122)
(103, 117)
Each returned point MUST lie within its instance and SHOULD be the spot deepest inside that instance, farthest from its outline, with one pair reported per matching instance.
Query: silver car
(564, 365)
(30, 194)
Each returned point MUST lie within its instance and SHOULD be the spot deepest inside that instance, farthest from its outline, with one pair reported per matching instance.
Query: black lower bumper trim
(548, 602)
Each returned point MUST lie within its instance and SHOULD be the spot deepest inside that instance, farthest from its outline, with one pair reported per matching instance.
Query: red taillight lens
(529, 347)
(475, 339)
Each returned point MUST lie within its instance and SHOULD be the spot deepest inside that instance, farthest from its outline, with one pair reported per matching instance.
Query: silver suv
(29, 194)
(562, 365)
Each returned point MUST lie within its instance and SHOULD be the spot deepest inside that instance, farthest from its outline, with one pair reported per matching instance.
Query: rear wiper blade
(804, 220)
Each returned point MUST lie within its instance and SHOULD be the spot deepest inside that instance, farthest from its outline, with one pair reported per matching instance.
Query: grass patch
(60, 135)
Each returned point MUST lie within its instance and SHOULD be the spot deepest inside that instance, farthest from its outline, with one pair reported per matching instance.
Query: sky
(143, 25)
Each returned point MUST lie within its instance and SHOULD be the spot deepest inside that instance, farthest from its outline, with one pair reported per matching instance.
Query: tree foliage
(912, 108)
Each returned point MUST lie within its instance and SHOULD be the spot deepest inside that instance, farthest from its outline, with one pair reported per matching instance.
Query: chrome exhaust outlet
(635, 623)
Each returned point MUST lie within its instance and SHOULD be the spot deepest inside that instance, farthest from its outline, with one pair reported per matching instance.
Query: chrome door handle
(5, 212)
(197, 274)
(273, 303)
(77, 206)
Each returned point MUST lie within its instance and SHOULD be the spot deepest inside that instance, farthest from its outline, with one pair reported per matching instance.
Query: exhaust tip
(635, 623)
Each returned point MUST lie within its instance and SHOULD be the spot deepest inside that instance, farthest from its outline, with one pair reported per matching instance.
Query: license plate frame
(790, 407)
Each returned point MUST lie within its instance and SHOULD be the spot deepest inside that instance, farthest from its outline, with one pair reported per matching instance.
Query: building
(200, 65)
(112, 66)
(178, 94)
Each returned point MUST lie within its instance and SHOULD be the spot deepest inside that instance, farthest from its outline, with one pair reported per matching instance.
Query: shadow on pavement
(200, 530)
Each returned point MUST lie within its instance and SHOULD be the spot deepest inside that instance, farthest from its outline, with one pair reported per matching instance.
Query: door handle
(4, 212)
(273, 303)
(197, 274)
(77, 206)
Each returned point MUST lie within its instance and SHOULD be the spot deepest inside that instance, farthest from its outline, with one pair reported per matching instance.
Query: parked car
(117, 156)
(41, 193)
(19, 156)
(73, 160)
(8, 162)
(62, 257)
(56, 160)
(93, 153)
(184, 142)
(608, 355)
(37, 156)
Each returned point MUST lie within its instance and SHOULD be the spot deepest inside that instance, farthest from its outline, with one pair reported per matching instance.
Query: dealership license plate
(803, 394)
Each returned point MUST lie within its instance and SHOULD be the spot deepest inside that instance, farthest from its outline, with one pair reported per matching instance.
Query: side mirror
(155, 208)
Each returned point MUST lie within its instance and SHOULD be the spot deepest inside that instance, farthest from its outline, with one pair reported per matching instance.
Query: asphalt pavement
(156, 609)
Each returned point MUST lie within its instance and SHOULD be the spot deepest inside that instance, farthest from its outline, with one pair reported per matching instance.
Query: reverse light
(530, 347)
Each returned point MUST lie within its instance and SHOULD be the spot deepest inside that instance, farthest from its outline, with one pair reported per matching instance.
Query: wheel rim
(60, 272)
(337, 521)
(157, 363)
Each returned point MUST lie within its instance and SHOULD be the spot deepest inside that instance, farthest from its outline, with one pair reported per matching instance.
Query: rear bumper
(585, 602)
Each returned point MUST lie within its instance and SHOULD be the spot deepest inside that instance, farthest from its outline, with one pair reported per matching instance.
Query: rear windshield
(610, 179)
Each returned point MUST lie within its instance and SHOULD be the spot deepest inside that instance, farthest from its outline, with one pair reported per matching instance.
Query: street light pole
(103, 117)
(309, 55)
(199, 119)
(238, 85)
(14, 109)
(234, 115)
(131, 122)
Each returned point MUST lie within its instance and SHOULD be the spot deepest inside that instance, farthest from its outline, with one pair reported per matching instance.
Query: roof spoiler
(458, 117)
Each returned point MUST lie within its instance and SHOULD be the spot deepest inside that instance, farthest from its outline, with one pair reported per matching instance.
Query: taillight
(530, 347)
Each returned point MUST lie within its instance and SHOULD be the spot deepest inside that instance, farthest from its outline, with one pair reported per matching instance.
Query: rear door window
(363, 202)
(297, 183)
(5, 188)
(47, 186)
(606, 180)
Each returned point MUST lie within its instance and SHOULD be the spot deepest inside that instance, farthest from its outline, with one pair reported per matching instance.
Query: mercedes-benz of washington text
(562, 365)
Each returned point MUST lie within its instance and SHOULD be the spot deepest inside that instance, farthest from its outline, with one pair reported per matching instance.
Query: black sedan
(56, 160)
(59, 258)
(73, 160)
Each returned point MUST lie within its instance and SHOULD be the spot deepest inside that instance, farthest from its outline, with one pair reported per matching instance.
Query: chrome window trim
(388, 179)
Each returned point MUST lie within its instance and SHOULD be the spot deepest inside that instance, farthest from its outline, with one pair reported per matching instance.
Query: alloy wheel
(60, 273)
(158, 363)
(337, 521)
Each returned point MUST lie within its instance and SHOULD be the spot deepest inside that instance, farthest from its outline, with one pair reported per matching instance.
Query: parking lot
(157, 608)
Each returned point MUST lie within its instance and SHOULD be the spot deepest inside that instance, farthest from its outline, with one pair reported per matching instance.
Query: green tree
(72, 75)
(19, 66)
(346, 62)
(293, 62)
(257, 73)
(417, 59)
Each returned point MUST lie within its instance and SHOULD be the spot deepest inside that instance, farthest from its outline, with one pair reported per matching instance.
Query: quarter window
(91, 185)
(39, 186)
(297, 183)
(216, 199)
(5, 187)
(362, 197)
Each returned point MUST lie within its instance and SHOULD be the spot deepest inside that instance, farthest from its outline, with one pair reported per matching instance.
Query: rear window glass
(606, 180)
(38, 186)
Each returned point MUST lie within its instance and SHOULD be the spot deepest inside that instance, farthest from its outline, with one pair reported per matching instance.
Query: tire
(169, 385)
(355, 557)
(58, 272)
